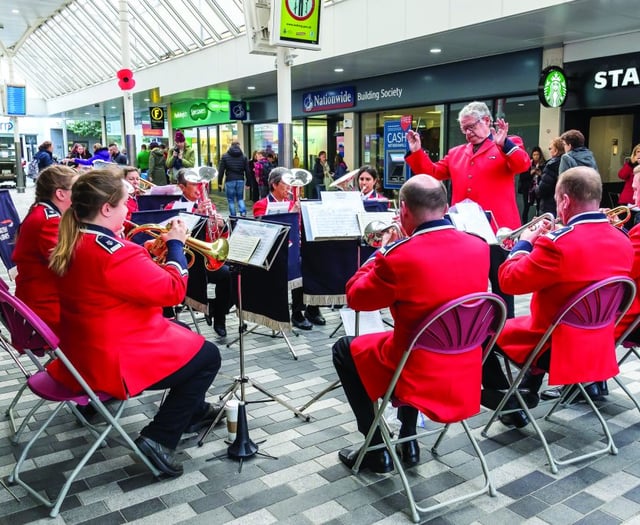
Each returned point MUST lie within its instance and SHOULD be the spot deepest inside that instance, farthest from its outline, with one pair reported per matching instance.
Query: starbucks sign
(552, 88)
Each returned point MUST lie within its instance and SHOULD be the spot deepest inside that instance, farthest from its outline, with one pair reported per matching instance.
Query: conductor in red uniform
(482, 170)
(412, 277)
(554, 266)
(37, 237)
(111, 323)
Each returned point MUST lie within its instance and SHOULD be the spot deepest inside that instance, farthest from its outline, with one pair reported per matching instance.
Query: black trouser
(358, 398)
(498, 255)
(494, 378)
(219, 307)
(185, 402)
(297, 303)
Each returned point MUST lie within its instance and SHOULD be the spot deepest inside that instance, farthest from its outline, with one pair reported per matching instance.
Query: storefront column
(550, 118)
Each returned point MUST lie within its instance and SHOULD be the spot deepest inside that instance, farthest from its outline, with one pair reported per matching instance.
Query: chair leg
(18, 432)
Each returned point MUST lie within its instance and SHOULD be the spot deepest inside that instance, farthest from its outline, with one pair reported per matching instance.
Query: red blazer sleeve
(420, 163)
(373, 286)
(48, 238)
(626, 171)
(260, 208)
(517, 158)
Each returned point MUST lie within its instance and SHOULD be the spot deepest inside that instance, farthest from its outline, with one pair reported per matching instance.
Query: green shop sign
(199, 113)
(552, 87)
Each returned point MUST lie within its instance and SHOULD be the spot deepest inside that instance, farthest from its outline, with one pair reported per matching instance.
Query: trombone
(214, 253)
(145, 185)
(505, 234)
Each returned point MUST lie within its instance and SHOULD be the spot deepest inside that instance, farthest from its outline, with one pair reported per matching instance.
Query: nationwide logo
(326, 100)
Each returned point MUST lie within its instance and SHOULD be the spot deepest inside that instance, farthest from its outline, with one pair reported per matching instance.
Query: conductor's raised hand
(177, 231)
(413, 141)
(500, 130)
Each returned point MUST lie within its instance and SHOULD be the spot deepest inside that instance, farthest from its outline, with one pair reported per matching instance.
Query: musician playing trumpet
(410, 278)
(114, 332)
(555, 265)
(194, 194)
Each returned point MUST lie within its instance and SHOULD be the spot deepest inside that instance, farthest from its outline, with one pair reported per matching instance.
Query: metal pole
(284, 61)
(20, 179)
(127, 102)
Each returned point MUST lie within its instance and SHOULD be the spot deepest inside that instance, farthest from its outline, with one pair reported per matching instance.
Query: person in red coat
(37, 237)
(555, 265)
(410, 278)
(114, 332)
(302, 317)
(626, 174)
(482, 170)
(132, 176)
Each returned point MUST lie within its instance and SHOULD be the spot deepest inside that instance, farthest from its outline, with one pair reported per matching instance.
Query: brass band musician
(408, 277)
(194, 194)
(301, 317)
(555, 265)
(114, 332)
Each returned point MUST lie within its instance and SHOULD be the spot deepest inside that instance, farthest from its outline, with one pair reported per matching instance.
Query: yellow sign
(157, 117)
(297, 23)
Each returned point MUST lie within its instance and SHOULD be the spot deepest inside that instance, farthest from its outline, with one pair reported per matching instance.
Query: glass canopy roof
(79, 46)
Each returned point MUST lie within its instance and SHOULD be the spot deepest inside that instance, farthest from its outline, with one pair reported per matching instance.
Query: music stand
(252, 244)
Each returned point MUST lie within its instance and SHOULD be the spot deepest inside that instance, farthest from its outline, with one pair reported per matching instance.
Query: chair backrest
(462, 324)
(28, 331)
(599, 304)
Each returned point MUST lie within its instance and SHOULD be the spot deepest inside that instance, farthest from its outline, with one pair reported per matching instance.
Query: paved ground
(307, 484)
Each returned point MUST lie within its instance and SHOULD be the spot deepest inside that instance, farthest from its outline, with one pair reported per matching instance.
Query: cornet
(505, 234)
(215, 253)
(375, 230)
(619, 216)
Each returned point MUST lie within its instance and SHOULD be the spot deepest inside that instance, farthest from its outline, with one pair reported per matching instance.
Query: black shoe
(89, 412)
(206, 419)
(491, 399)
(595, 392)
(220, 329)
(161, 456)
(516, 419)
(315, 319)
(604, 388)
(301, 323)
(409, 452)
(376, 461)
(552, 393)
(208, 319)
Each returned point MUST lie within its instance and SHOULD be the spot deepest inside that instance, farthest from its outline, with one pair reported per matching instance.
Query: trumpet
(505, 234)
(144, 185)
(214, 253)
(375, 230)
(619, 216)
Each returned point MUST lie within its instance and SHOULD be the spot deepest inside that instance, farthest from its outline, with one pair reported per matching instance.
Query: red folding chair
(591, 313)
(631, 348)
(460, 326)
(48, 389)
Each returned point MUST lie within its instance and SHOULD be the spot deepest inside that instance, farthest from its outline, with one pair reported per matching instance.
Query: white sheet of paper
(277, 207)
(369, 323)
(468, 216)
(344, 199)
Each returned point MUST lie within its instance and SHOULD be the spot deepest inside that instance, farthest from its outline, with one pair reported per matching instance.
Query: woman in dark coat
(547, 186)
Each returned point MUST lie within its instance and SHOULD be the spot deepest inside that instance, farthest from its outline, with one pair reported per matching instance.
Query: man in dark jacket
(234, 165)
(116, 155)
(575, 152)
(45, 155)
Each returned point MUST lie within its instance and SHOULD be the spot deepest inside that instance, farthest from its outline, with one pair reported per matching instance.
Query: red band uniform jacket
(634, 310)
(112, 327)
(260, 207)
(559, 265)
(35, 282)
(485, 177)
(413, 277)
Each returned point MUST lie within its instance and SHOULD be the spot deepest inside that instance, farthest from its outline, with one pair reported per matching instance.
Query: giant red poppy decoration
(125, 79)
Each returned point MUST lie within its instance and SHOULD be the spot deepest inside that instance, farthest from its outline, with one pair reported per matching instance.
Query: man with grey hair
(482, 170)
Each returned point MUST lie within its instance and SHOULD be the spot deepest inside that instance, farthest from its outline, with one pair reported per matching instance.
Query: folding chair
(23, 342)
(590, 313)
(460, 326)
(47, 388)
(632, 348)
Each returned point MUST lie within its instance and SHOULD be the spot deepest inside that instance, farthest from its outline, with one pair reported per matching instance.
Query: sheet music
(190, 220)
(182, 205)
(324, 222)
(369, 322)
(267, 234)
(468, 216)
(277, 207)
(367, 217)
(241, 247)
(351, 199)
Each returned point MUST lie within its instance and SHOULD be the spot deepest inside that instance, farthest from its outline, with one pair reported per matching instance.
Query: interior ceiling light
(338, 70)
(251, 88)
(435, 50)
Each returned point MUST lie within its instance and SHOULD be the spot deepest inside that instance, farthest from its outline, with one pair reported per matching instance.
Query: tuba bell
(296, 178)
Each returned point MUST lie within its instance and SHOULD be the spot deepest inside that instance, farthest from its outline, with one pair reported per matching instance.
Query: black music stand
(252, 244)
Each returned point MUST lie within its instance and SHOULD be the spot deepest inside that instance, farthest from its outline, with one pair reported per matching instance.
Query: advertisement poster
(296, 23)
(396, 172)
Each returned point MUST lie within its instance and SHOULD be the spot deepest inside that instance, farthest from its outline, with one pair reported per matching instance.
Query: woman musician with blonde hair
(114, 331)
(37, 237)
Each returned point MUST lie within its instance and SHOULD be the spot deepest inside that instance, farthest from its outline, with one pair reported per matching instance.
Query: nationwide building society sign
(327, 100)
